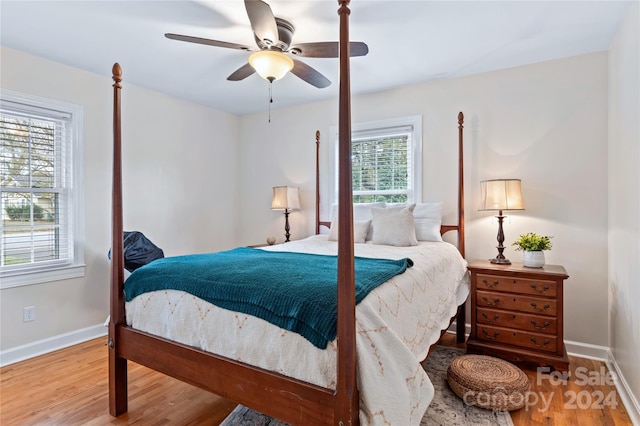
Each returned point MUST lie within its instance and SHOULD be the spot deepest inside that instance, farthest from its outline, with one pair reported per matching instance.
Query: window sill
(20, 279)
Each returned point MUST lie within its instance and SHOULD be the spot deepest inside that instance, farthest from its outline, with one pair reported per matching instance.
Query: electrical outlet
(29, 314)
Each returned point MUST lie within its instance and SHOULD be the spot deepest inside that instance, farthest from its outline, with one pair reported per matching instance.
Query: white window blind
(38, 212)
(386, 160)
(381, 165)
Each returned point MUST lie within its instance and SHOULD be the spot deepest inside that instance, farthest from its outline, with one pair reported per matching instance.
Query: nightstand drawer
(516, 302)
(516, 285)
(527, 322)
(517, 338)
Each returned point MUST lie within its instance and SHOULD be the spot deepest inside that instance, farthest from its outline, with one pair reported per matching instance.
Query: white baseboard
(41, 347)
(587, 350)
(629, 400)
(604, 354)
(452, 328)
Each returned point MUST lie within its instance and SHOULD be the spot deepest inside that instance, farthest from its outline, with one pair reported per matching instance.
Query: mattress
(395, 324)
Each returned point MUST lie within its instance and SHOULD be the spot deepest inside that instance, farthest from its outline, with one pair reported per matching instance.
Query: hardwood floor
(587, 398)
(70, 387)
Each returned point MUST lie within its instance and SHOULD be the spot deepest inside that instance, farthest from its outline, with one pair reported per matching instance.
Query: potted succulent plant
(533, 246)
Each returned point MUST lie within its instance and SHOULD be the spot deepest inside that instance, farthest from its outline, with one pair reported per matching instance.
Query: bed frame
(288, 399)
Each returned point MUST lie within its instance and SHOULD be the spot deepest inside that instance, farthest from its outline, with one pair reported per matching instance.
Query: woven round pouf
(488, 382)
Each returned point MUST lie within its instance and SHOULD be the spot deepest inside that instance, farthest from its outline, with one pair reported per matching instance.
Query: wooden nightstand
(517, 313)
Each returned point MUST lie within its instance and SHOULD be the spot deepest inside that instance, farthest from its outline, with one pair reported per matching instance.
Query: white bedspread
(396, 324)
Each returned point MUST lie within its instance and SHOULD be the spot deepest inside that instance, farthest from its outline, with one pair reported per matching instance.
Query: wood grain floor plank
(70, 387)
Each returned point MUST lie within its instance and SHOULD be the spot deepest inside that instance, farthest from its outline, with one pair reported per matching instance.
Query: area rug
(446, 408)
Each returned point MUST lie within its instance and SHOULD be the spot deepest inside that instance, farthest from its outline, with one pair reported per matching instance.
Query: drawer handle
(495, 334)
(494, 303)
(490, 285)
(535, 325)
(535, 307)
(486, 317)
(535, 288)
(544, 343)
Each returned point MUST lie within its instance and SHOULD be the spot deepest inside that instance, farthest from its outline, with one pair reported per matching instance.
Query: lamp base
(286, 226)
(498, 261)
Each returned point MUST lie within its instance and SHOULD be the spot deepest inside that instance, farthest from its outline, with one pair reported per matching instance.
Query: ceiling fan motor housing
(285, 35)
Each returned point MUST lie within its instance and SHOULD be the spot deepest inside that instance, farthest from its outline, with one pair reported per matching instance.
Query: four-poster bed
(274, 393)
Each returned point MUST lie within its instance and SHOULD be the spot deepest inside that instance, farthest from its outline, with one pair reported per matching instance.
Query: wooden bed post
(347, 403)
(319, 222)
(317, 182)
(460, 185)
(461, 318)
(117, 366)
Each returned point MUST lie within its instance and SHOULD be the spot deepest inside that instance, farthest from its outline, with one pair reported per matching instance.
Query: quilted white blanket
(396, 324)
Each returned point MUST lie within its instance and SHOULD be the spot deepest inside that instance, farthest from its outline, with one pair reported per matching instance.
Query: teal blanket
(295, 291)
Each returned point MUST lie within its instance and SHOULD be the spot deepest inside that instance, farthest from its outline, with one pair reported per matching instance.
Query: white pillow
(361, 211)
(394, 226)
(428, 230)
(428, 211)
(428, 219)
(360, 230)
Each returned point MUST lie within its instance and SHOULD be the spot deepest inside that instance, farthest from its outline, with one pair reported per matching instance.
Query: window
(41, 198)
(385, 161)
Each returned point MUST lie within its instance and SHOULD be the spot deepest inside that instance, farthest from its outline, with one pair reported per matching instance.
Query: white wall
(544, 123)
(624, 200)
(280, 153)
(179, 172)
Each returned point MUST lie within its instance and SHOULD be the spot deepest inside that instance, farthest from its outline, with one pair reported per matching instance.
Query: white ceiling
(409, 41)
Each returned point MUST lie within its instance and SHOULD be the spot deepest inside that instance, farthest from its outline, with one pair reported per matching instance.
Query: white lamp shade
(271, 64)
(285, 198)
(501, 194)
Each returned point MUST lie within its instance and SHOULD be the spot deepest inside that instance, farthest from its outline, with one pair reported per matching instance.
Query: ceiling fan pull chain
(270, 98)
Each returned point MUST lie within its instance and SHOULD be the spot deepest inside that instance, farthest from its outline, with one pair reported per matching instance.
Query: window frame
(384, 127)
(74, 267)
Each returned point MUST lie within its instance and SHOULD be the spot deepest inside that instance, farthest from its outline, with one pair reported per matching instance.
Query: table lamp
(500, 194)
(287, 199)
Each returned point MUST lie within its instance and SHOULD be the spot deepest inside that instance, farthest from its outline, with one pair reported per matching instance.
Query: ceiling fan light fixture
(271, 64)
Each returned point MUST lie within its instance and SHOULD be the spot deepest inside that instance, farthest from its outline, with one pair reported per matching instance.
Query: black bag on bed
(138, 250)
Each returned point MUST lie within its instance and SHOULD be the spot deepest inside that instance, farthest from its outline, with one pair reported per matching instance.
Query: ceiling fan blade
(241, 73)
(263, 23)
(310, 75)
(207, 41)
(358, 48)
(328, 49)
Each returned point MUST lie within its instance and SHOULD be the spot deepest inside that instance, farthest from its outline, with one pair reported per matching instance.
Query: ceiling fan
(273, 57)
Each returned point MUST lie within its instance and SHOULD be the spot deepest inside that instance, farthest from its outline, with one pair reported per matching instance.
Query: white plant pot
(533, 259)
